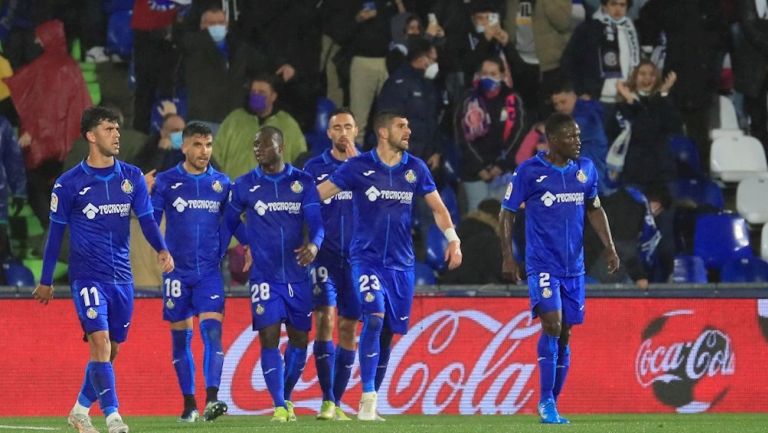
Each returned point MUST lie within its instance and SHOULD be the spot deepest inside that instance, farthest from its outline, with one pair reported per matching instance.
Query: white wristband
(451, 235)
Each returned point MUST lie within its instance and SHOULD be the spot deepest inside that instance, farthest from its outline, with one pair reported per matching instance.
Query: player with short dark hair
(95, 199)
(279, 200)
(331, 272)
(193, 196)
(384, 183)
(555, 188)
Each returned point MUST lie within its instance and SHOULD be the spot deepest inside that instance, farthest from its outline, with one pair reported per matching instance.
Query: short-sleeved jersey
(554, 200)
(383, 198)
(336, 211)
(97, 209)
(274, 216)
(193, 206)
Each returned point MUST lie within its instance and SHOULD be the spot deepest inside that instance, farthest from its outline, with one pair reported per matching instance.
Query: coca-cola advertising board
(461, 356)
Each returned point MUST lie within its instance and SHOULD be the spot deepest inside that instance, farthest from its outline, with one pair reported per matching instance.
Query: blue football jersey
(274, 218)
(554, 200)
(97, 209)
(383, 204)
(194, 207)
(336, 211)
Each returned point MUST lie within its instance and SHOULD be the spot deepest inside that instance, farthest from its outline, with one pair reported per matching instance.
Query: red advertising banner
(461, 356)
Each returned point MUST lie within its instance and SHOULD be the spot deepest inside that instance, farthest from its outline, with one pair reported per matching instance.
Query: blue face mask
(488, 84)
(257, 102)
(218, 32)
(176, 140)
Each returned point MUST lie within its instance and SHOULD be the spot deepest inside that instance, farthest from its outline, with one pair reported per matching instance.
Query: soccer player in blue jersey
(384, 183)
(193, 197)
(95, 198)
(331, 273)
(279, 201)
(557, 189)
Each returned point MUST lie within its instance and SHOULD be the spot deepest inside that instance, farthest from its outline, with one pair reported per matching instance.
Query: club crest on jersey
(317, 290)
(169, 304)
(581, 177)
(546, 293)
(410, 176)
(297, 187)
(369, 297)
(54, 202)
(91, 313)
(126, 186)
(259, 309)
(216, 185)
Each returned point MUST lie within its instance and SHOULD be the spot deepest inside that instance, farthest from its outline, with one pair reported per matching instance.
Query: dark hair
(272, 130)
(418, 47)
(563, 86)
(267, 78)
(555, 123)
(493, 59)
(196, 128)
(477, 6)
(342, 110)
(605, 2)
(212, 8)
(658, 191)
(383, 119)
(93, 116)
(490, 206)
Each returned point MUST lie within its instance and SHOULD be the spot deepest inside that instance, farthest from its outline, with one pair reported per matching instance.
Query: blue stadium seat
(452, 203)
(436, 245)
(317, 138)
(119, 34)
(686, 155)
(425, 275)
(689, 269)
(702, 191)
(16, 274)
(720, 238)
(745, 270)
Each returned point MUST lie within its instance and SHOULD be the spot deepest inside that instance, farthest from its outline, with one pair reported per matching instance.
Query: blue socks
(342, 370)
(295, 360)
(325, 357)
(369, 350)
(183, 361)
(547, 356)
(103, 380)
(272, 367)
(563, 363)
(213, 354)
(385, 347)
(87, 394)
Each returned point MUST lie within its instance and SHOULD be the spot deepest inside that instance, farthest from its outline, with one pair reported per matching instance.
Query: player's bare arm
(327, 190)
(510, 270)
(443, 220)
(599, 221)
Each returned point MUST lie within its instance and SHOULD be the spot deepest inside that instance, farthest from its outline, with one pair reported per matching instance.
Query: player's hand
(350, 149)
(453, 255)
(642, 283)
(149, 179)
(247, 259)
(510, 270)
(43, 293)
(612, 260)
(306, 254)
(165, 261)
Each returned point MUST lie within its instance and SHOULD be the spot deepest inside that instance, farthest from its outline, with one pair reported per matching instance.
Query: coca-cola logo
(685, 363)
(457, 361)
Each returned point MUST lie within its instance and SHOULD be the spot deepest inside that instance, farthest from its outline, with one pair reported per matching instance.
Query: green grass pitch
(632, 423)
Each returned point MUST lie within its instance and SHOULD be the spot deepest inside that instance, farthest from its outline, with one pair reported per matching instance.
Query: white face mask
(431, 72)
(479, 28)
(218, 32)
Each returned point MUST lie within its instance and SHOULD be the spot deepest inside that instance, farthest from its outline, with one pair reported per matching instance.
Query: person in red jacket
(49, 94)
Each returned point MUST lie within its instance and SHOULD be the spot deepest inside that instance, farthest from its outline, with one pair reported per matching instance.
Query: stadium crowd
(475, 79)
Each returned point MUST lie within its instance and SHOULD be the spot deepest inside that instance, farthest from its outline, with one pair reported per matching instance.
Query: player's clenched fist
(165, 261)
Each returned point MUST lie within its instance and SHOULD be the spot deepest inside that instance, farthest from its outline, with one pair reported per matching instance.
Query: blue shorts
(104, 307)
(550, 293)
(185, 296)
(387, 291)
(332, 286)
(281, 302)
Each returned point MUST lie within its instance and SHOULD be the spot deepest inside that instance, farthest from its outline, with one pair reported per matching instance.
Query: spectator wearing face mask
(162, 150)
(485, 39)
(489, 126)
(233, 145)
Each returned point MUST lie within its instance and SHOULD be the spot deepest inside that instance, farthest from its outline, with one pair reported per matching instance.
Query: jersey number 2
(368, 282)
(259, 292)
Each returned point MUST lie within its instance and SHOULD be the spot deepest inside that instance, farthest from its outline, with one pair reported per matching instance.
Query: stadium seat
(452, 203)
(16, 274)
(689, 269)
(752, 200)
(728, 121)
(425, 275)
(745, 270)
(436, 245)
(733, 159)
(764, 242)
(702, 192)
(686, 154)
(721, 237)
